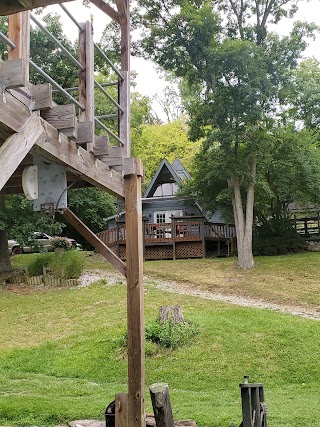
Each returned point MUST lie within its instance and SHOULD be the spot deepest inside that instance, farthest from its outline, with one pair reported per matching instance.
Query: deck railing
(174, 231)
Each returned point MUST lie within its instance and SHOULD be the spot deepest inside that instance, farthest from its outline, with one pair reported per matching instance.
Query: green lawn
(62, 358)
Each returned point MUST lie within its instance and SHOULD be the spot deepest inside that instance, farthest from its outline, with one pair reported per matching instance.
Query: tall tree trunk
(244, 220)
(5, 263)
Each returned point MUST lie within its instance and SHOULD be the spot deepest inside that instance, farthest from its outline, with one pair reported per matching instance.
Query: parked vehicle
(14, 247)
(39, 241)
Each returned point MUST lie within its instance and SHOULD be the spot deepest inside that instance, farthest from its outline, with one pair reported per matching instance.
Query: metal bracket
(4, 88)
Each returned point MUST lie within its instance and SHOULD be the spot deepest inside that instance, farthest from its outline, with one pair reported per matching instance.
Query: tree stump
(172, 313)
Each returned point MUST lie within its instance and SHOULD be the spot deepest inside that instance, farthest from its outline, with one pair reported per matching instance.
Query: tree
(168, 141)
(239, 75)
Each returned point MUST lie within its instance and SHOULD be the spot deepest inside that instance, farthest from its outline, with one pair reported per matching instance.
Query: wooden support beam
(101, 146)
(35, 97)
(85, 133)
(15, 6)
(17, 146)
(12, 74)
(59, 148)
(108, 10)
(86, 77)
(13, 114)
(19, 34)
(135, 302)
(123, 10)
(124, 121)
(61, 116)
(94, 241)
(121, 418)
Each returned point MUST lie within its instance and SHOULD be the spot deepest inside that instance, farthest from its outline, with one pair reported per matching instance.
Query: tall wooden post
(19, 34)
(86, 77)
(124, 92)
(135, 297)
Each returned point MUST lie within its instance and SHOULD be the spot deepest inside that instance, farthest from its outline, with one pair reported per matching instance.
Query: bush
(168, 334)
(68, 265)
(60, 242)
(35, 267)
(277, 237)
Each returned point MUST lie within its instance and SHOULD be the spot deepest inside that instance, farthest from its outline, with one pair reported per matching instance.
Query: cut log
(161, 405)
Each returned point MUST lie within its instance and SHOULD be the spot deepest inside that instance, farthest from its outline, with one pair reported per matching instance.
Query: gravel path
(181, 288)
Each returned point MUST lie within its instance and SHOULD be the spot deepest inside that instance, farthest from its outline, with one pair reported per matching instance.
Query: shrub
(68, 265)
(35, 266)
(60, 242)
(169, 334)
(277, 237)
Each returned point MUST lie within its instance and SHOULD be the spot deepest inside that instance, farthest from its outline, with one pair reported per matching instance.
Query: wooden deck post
(19, 34)
(86, 77)
(135, 298)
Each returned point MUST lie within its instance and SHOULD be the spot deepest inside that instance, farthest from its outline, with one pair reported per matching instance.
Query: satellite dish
(30, 182)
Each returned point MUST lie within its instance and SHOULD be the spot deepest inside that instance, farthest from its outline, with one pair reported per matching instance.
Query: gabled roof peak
(167, 173)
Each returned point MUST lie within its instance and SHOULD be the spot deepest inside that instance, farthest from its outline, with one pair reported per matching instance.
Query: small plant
(169, 334)
(68, 265)
(60, 243)
(35, 267)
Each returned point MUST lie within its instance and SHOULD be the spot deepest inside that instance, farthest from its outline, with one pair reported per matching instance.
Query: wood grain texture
(124, 121)
(121, 418)
(61, 116)
(108, 10)
(13, 74)
(86, 77)
(8, 7)
(13, 114)
(59, 148)
(161, 404)
(19, 34)
(94, 241)
(135, 302)
(17, 146)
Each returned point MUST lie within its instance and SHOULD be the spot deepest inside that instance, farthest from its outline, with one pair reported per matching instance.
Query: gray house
(174, 226)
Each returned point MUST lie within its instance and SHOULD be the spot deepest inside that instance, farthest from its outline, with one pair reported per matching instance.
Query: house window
(160, 218)
(166, 189)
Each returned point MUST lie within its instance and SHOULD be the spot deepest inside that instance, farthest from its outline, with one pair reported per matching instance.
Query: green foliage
(60, 242)
(67, 265)
(168, 141)
(277, 237)
(36, 264)
(169, 334)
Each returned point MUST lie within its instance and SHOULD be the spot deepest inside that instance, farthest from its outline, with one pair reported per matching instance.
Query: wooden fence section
(307, 226)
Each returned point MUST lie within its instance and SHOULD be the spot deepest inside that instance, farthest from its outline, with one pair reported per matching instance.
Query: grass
(62, 358)
(290, 279)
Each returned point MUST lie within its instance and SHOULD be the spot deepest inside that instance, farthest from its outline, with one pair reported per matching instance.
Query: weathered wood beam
(35, 97)
(61, 116)
(13, 114)
(86, 77)
(135, 300)
(124, 121)
(17, 146)
(8, 7)
(12, 74)
(108, 10)
(94, 241)
(59, 148)
(19, 34)
(123, 10)
(121, 415)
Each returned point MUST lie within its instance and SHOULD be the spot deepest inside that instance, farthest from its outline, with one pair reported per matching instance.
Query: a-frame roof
(167, 173)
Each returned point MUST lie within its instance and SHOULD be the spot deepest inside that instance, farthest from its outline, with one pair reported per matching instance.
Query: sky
(149, 79)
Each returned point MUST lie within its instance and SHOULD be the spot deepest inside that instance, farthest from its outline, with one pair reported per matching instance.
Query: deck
(178, 239)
